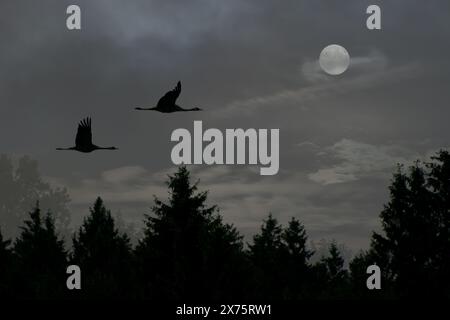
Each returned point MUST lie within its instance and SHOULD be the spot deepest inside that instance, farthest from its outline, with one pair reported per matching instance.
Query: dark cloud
(248, 64)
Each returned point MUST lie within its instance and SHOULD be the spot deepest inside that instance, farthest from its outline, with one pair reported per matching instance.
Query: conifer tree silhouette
(187, 251)
(267, 253)
(331, 274)
(41, 258)
(297, 260)
(413, 250)
(438, 181)
(358, 278)
(334, 263)
(104, 256)
(358, 275)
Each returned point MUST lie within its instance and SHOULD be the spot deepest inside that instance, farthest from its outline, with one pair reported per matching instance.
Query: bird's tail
(139, 108)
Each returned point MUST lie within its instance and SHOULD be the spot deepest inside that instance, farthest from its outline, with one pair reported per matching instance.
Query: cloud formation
(357, 160)
(248, 64)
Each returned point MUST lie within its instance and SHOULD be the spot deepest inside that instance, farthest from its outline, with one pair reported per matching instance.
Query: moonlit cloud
(323, 87)
(374, 61)
(357, 160)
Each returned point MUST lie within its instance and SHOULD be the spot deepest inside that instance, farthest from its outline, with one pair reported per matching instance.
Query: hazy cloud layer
(358, 160)
(248, 64)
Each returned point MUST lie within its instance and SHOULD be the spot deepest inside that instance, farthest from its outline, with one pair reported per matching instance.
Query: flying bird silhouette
(167, 103)
(83, 141)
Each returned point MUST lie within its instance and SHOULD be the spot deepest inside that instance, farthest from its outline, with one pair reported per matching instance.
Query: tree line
(188, 252)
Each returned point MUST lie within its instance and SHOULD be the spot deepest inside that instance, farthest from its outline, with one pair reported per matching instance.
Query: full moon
(334, 59)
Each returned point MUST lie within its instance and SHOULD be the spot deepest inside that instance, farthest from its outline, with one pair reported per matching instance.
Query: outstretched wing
(170, 97)
(84, 133)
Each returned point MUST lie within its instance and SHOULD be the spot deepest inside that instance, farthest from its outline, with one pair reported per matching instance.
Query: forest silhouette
(187, 252)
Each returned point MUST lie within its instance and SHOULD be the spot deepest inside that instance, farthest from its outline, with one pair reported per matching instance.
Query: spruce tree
(268, 254)
(438, 181)
(413, 250)
(187, 251)
(406, 250)
(330, 275)
(358, 278)
(297, 260)
(104, 256)
(41, 258)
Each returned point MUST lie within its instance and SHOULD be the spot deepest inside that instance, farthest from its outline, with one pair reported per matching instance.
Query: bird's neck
(106, 148)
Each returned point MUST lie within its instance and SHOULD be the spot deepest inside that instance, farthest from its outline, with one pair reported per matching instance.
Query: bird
(167, 103)
(83, 140)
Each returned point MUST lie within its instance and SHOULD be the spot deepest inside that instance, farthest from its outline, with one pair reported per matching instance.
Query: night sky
(248, 64)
